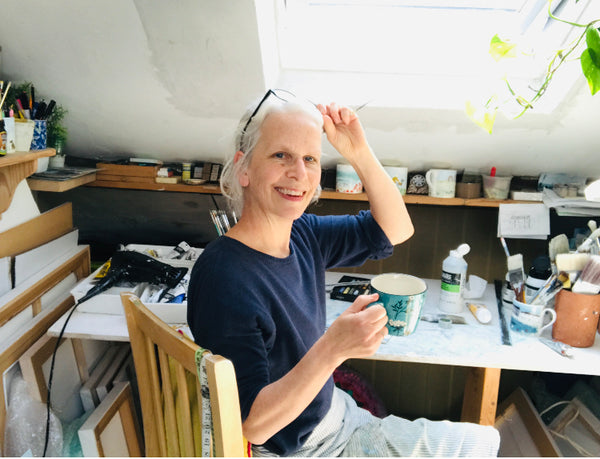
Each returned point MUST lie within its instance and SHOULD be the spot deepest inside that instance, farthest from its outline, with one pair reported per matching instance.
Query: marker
(493, 172)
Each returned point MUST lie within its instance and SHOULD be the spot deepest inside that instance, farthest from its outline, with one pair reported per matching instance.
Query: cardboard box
(109, 301)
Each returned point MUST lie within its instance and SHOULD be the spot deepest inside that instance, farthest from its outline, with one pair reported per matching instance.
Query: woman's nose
(297, 169)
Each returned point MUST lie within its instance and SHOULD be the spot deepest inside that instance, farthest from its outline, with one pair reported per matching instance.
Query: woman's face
(285, 168)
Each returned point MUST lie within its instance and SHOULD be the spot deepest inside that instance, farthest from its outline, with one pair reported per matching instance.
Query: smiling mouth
(291, 193)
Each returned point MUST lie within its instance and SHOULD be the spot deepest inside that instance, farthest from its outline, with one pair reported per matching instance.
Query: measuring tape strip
(207, 424)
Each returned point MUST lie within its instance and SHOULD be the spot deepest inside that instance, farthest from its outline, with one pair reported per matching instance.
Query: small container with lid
(538, 274)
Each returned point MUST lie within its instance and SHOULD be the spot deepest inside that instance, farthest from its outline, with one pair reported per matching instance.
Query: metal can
(187, 171)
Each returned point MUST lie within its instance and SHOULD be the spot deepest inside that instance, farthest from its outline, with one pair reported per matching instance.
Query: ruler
(503, 326)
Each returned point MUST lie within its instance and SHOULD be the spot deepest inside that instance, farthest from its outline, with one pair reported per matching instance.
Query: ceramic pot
(577, 317)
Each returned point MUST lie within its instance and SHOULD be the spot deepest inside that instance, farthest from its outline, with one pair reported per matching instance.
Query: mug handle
(428, 178)
(553, 314)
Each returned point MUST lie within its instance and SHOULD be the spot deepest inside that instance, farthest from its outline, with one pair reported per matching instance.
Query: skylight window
(409, 53)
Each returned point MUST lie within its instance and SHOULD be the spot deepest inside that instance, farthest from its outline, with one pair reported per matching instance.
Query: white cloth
(350, 431)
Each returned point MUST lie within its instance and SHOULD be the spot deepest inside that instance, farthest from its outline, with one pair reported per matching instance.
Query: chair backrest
(169, 389)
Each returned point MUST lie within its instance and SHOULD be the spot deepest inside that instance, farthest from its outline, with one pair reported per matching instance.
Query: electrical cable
(60, 335)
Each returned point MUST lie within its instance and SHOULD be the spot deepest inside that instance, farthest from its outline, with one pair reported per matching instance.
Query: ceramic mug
(441, 182)
(347, 180)
(399, 176)
(529, 318)
(403, 297)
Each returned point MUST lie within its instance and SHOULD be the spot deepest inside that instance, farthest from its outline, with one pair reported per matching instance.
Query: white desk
(476, 346)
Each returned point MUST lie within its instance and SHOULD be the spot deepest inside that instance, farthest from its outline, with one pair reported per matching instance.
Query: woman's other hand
(344, 131)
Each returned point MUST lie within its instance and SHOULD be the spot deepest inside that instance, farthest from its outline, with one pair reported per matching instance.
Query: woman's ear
(242, 176)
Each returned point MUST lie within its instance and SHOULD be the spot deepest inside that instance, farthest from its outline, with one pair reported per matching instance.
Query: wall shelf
(130, 183)
(15, 167)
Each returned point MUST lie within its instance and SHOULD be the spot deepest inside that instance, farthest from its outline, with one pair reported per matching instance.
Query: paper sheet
(523, 221)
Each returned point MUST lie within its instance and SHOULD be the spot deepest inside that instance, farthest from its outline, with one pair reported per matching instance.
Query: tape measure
(208, 432)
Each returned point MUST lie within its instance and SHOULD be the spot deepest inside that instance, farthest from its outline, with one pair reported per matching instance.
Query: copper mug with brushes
(578, 310)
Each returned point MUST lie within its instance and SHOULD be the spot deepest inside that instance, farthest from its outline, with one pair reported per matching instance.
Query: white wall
(169, 79)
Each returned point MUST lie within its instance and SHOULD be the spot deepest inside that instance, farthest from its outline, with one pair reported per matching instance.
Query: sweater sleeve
(350, 240)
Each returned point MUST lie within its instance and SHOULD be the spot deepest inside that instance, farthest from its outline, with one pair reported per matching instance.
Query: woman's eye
(279, 155)
(310, 159)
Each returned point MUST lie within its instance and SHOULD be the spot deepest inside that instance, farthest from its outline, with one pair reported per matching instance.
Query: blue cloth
(264, 313)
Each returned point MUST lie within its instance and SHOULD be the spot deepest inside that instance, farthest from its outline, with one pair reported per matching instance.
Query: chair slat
(166, 373)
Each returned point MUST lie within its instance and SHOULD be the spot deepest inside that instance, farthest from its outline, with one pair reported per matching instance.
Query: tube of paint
(480, 312)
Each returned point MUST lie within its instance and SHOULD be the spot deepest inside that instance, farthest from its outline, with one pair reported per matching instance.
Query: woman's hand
(344, 131)
(359, 330)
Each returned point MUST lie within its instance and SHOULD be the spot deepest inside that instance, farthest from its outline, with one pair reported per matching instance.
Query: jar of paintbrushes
(578, 304)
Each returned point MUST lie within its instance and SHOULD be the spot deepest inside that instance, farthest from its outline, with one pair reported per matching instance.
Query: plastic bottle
(454, 273)
(538, 274)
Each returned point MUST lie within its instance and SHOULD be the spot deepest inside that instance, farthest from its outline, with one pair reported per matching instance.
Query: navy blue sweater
(264, 313)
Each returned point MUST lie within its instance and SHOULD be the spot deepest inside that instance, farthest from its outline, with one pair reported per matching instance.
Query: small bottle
(187, 171)
(454, 273)
(538, 274)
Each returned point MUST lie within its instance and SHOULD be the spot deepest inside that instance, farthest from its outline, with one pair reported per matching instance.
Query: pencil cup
(24, 135)
(576, 318)
(40, 135)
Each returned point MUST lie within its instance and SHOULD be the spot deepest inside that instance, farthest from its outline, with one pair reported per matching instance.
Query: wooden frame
(522, 431)
(113, 428)
(37, 231)
(88, 391)
(577, 424)
(79, 264)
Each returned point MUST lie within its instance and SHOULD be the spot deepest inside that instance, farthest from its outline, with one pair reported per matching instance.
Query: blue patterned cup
(40, 134)
(403, 297)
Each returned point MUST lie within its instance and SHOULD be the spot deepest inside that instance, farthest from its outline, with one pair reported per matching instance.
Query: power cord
(60, 335)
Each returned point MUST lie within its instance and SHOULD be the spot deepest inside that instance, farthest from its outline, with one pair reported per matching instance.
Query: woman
(257, 295)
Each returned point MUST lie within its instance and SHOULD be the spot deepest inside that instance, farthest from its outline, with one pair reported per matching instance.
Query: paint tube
(480, 312)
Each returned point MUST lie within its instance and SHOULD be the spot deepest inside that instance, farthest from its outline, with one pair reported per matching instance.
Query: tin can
(187, 171)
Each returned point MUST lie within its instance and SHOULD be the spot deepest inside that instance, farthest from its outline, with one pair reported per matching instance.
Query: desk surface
(472, 345)
(475, 344)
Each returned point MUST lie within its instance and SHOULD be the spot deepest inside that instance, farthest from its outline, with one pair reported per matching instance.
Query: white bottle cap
(460, 251)
(483, 315)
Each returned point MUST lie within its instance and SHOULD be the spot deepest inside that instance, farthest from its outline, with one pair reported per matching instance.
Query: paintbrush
(572, 264)
(589, 280)
(586, 245)
(504, 246)
(516, 275)
(558, 244)
(551, 287)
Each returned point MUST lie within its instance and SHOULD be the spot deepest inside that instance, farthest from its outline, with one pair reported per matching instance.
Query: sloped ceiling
(169, 80)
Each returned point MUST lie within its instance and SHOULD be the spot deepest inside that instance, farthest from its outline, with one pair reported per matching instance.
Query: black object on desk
(503, 326)
(349, 292)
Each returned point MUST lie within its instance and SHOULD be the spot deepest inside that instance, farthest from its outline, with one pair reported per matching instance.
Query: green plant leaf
(500, 49)
(591, 69)
(590, 59)
(483, 117)
(592, 39)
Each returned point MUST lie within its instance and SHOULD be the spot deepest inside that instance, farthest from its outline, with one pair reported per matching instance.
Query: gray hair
(246, 140)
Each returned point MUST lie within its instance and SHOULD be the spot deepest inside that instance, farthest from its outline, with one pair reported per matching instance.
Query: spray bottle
(454, 274)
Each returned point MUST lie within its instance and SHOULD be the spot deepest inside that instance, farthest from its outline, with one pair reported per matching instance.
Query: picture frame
(113, 428)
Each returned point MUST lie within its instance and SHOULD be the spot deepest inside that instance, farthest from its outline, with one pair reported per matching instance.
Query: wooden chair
(169, 389)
